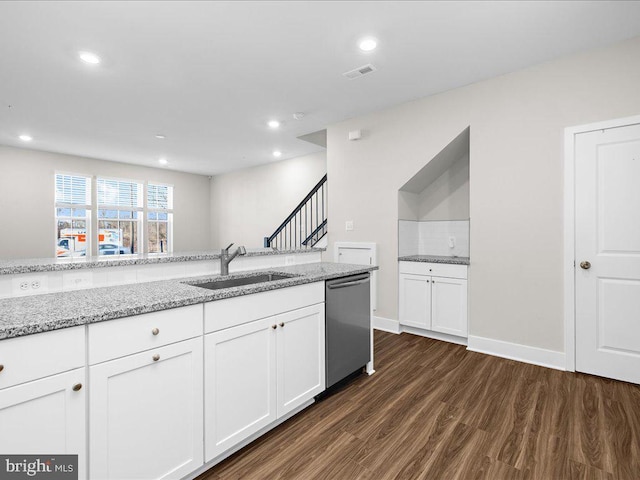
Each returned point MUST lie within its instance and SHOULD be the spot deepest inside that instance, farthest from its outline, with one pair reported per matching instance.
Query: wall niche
(433, 205)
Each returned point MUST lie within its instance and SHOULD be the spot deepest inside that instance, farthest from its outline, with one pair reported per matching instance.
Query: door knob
(585, 265)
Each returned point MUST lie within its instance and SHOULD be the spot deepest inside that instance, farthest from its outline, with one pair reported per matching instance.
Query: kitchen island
(134, 377)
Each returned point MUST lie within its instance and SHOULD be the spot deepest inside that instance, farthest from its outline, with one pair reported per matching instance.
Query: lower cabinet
(449, 306)
(46, 416)
(43, 395)
(145, 412)
(433, 297)
(258, 372)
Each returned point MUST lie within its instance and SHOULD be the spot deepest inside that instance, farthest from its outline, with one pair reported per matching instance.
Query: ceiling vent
(360, 71)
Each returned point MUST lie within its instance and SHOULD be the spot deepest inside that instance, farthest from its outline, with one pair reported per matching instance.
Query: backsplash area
(432, 238)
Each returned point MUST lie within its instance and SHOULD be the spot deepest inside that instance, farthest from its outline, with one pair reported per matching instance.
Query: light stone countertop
(21, 316)
(30, 265)
(435, 259)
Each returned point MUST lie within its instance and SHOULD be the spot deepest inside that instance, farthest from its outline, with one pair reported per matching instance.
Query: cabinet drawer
(35, 356)
(124, 336)
(434, 269)
(230, 312)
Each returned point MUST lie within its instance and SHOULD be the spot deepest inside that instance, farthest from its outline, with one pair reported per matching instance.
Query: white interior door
(607, 273)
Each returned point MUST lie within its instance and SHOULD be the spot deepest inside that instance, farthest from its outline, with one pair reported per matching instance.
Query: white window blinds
(73, 189)
(119, 193)
(159, 196)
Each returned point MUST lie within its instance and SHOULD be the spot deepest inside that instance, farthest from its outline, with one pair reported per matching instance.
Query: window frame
(93, 219)
(88, 219)
(169, 211)
(106, 206)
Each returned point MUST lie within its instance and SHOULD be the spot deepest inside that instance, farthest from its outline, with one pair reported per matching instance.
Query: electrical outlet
(28, 285)
(289, 260)
(348, 225)
(452, 242)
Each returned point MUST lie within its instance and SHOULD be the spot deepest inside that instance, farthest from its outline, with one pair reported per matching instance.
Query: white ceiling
(209, 75)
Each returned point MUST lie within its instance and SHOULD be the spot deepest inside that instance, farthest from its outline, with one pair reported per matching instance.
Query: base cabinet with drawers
(260, 370)
(43, 395)
(433, 297)
(145, 406)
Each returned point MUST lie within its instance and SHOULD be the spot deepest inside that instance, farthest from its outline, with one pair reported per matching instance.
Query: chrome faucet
(226, 257)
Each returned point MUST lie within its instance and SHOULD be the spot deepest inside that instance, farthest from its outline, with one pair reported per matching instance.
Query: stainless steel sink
(240, 281)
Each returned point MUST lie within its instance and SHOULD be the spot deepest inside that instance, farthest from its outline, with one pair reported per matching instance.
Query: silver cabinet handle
(156, 357)
(155, 331)
(77, 387)
(1, 367)
(274, 326)
(282, 324)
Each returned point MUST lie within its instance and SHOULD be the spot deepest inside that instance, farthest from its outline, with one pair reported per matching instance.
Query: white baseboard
(515, 351)
(386, 324)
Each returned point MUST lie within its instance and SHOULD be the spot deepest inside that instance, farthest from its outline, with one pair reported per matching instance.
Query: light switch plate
(348, 225)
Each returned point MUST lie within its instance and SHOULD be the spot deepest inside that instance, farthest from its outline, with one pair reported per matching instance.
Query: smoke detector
(360, 71)
(298, 115)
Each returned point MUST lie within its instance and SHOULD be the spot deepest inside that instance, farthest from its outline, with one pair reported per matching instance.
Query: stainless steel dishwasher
(348, 326)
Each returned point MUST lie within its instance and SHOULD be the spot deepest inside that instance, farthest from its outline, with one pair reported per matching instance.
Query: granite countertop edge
(20, 316)
(31, 265)
(435, 259)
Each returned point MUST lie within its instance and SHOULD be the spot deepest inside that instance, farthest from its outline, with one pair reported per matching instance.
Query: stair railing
(305, 225)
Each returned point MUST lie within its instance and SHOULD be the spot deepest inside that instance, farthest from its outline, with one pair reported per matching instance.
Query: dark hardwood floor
(433, 410)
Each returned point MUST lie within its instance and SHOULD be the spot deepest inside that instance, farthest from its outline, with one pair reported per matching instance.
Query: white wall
(516, 171)
(27, 200)
(249, 204)
(447, 198)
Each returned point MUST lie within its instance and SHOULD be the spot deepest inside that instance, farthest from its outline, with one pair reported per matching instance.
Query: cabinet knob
(77, 387)
(1, 367)
(282, 324)
(274, 326)
(156, 357)
(155, 331)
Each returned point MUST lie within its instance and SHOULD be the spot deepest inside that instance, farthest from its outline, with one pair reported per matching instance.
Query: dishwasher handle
(351, 283)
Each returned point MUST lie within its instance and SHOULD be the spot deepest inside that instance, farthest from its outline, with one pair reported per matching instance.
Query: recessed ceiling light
(277, 153)
(163, 161)
(89, 57)
(25, 138)
(160, 136)
(273, 123)
(368, 44)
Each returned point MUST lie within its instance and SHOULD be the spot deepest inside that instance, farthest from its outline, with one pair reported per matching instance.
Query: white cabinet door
(240, 383)
(45, 416)
(415, 301)
(301, 356)
(146, 414)
(449, 306)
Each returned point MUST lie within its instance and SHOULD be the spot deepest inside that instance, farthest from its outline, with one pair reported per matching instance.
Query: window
(73, 214)
(119, 216)
(126, 224)
(159, 217)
